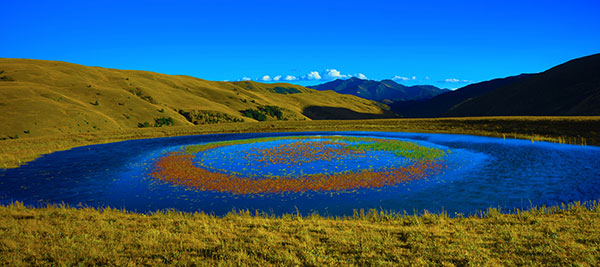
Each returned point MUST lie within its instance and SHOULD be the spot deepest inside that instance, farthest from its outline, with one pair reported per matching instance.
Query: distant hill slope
(386, 91)
(48, 97)
(439, 105)
(572, 88)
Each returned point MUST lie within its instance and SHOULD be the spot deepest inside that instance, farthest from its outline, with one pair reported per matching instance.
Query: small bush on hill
(255, 114)
(159, 122)
(273, 111)
(262, 112)
(207, 116)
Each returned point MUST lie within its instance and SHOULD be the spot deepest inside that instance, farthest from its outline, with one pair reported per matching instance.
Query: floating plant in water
(299, 164)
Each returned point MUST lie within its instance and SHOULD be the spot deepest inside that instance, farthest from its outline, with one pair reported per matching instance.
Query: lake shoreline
(570, 130)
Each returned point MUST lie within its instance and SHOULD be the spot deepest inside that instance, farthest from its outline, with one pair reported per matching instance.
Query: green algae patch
(405, 149)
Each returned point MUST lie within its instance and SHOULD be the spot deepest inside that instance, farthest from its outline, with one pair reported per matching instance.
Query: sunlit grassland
(58, 235)
(571, 130)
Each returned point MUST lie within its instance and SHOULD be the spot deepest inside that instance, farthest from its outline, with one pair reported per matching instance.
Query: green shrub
(255, 114)
(207, 116)
(159, 122)
(273, 111)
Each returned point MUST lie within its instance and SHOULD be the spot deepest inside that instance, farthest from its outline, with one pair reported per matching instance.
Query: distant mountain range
(385, 91)
(572, 88)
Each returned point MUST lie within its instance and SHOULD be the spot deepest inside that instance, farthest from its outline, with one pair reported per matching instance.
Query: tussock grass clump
(5, 77)
(60, 235)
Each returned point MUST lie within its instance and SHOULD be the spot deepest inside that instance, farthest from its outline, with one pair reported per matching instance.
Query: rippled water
(482, 172)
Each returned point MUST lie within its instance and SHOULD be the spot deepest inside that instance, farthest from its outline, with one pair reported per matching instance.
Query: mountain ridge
(439, 105)
(568, 89)
(385, 91)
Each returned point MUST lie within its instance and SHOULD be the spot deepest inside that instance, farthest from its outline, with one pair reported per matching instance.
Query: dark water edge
(486, 172)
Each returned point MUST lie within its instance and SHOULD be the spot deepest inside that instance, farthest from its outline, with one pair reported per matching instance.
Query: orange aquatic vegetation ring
(179, 168)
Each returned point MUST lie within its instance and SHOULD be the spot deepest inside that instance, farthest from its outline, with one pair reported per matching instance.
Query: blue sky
(444, 43)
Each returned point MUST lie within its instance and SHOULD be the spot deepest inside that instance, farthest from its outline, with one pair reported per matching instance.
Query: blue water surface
(482, 172)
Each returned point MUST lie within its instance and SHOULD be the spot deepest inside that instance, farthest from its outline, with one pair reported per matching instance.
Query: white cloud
(454, 80)
(360, 76)
(313, 75)
(327, 75)
(402, 78)
(427, 78)
(290, 78)
(333, 74)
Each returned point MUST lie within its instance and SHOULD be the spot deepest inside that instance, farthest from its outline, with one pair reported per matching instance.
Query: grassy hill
(49, 97)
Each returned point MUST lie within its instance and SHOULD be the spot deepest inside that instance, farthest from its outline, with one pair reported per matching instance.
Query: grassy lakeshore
(571, 130)
(57, 235)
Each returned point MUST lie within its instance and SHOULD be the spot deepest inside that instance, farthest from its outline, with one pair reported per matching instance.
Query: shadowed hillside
(572, 88)
(569, 89)
(386, 91)
(334, 113)
(439, 105)
(48, 97)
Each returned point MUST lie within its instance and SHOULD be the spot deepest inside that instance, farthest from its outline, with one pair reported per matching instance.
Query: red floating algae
(177, 168)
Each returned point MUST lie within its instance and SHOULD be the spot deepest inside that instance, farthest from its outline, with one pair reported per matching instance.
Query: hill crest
(385, 91)
(40, 97)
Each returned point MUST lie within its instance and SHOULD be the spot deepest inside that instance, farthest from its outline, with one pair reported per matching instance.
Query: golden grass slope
(51, 97)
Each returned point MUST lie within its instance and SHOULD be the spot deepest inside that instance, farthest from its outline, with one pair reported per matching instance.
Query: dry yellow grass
(51, 97)
(67, 236)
